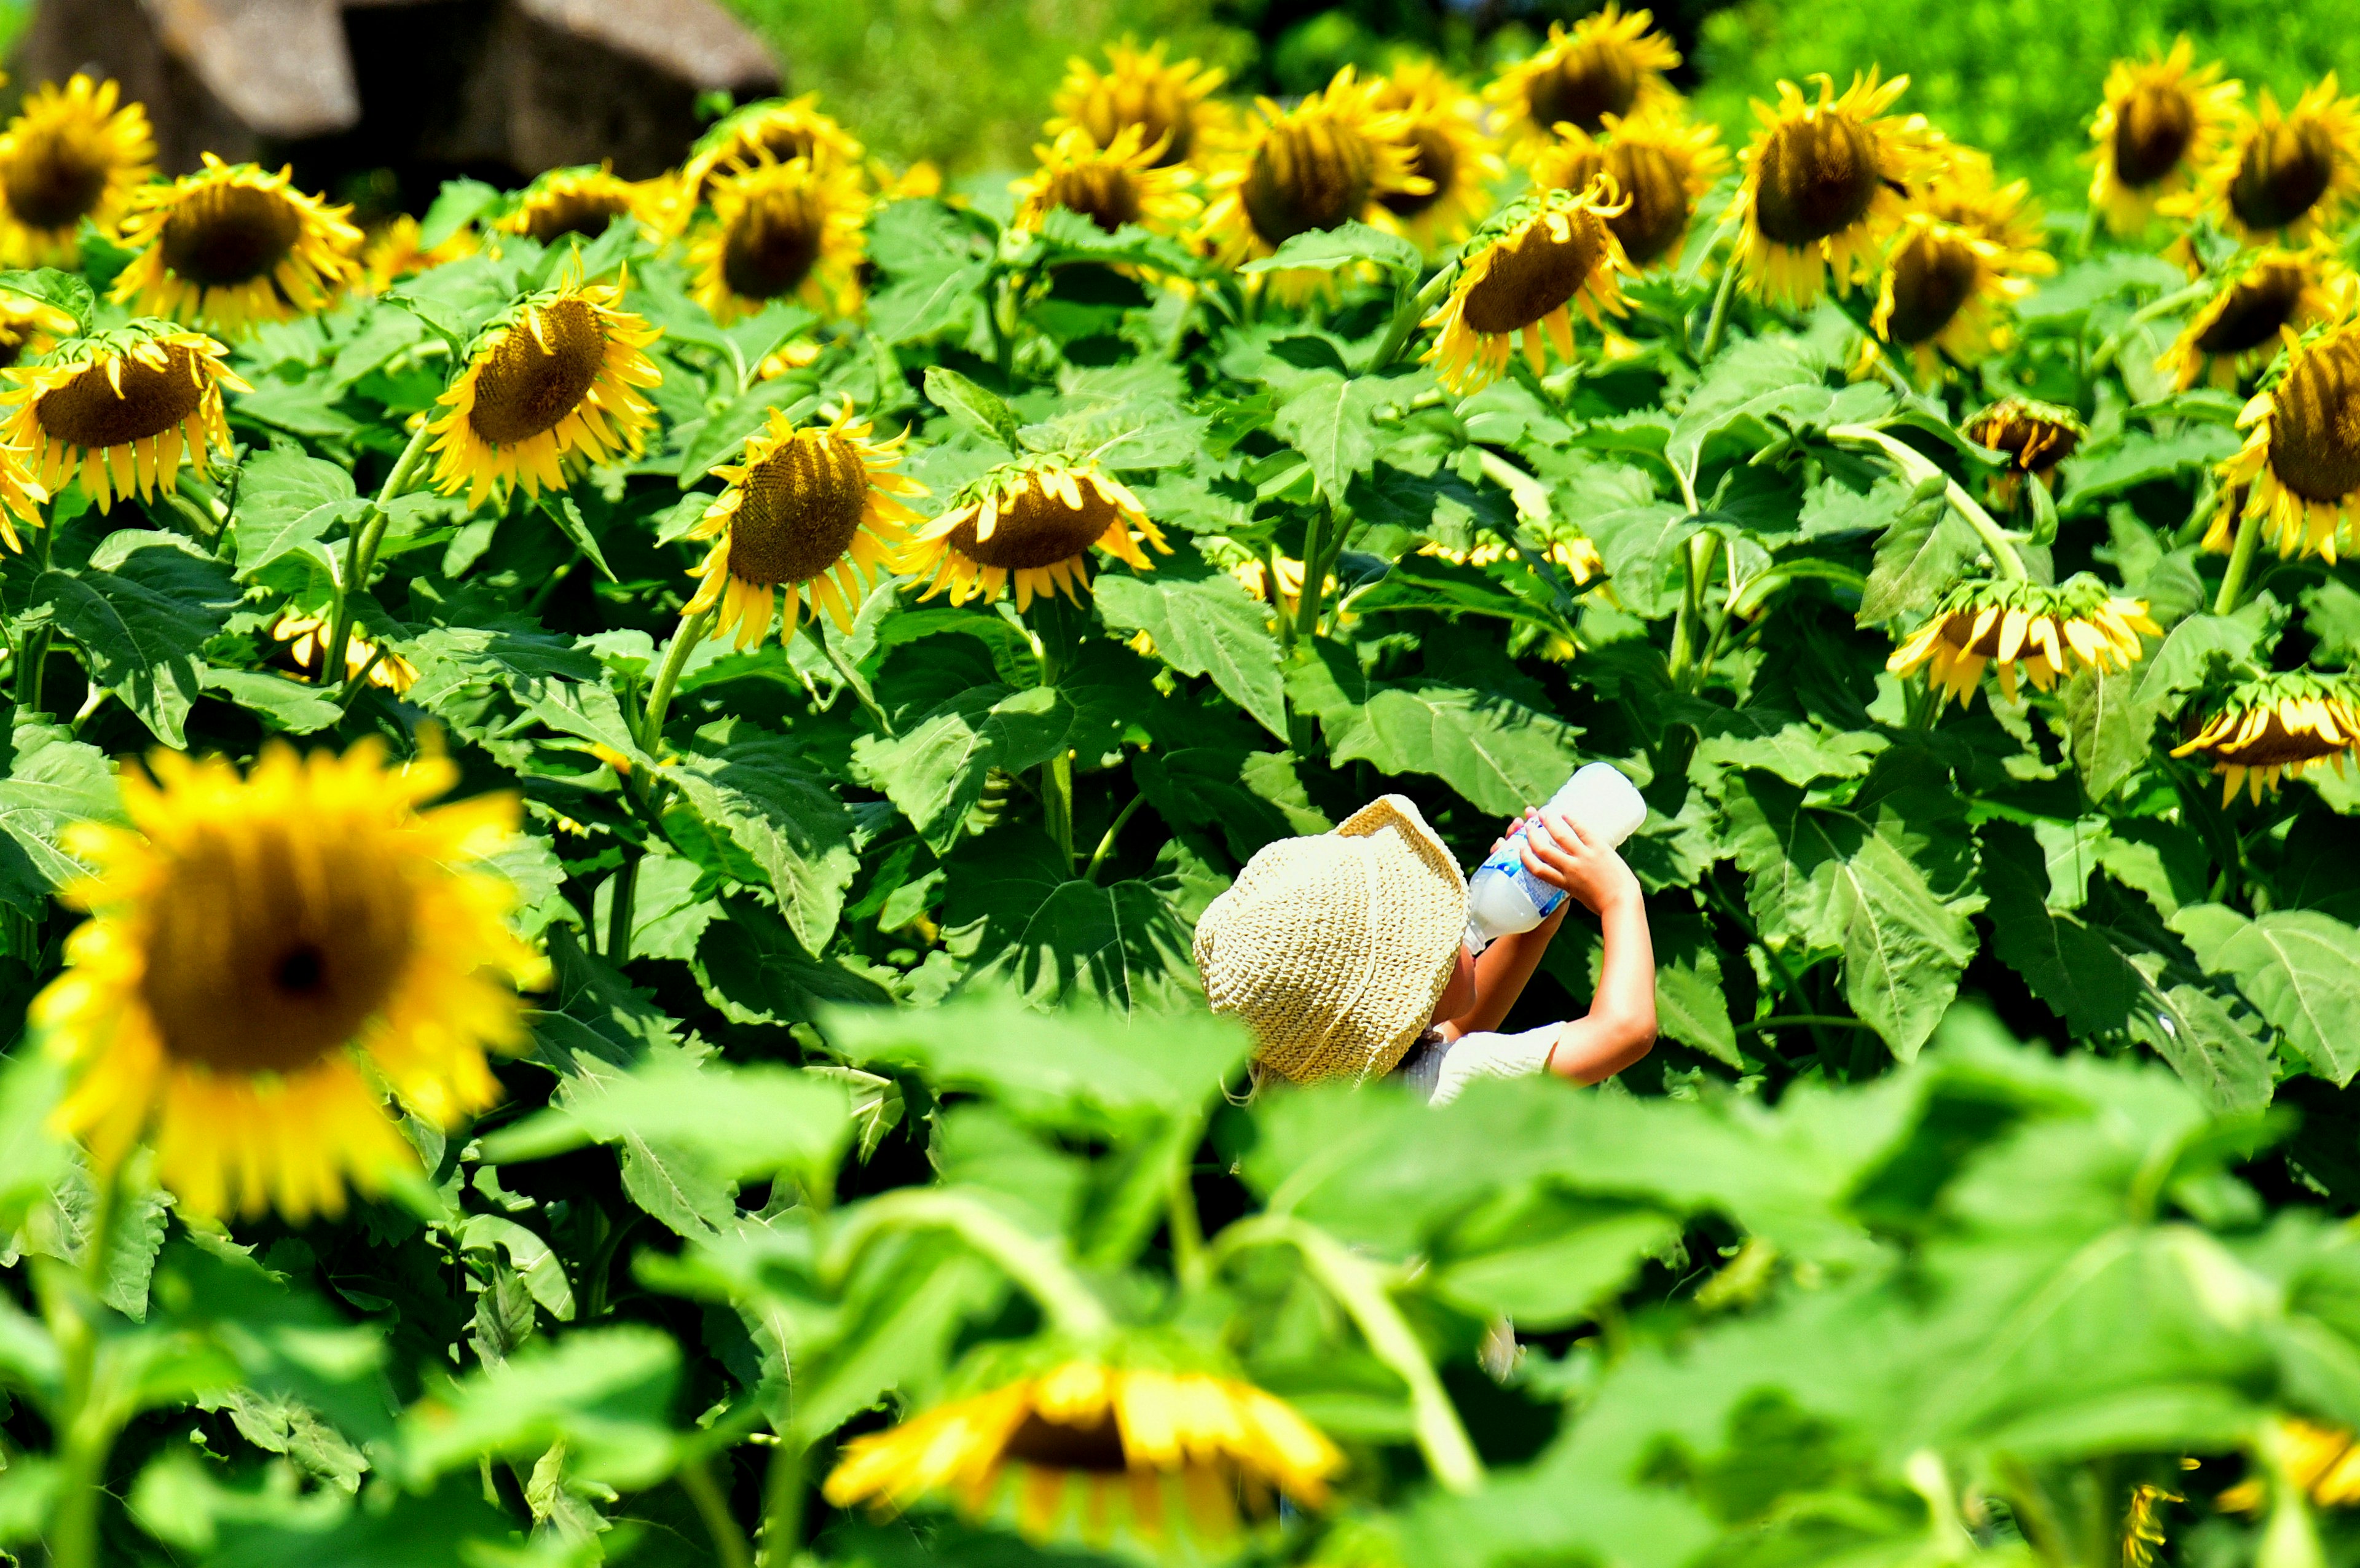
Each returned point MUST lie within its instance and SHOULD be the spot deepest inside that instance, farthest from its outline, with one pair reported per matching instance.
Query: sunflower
(268, 956)
(2047, 631)
(555, 377)
(308, 635)
(1033, 521)
(30, 328)
(1826, 184)
(584, 200)
(1119, 183)
(230, 246)
(1328, 160)
(1447, 150)
(778, 130)
(1659, 161)
(2323, 1460)
(2161, 124)
(70, 154)
(2034, 435)
(393, 253)
(1171, 104)
(2299, 467)
(1078, 1448)
(119, 409)
(780, 229)
(1942, 286)
(808, 512)
(1609, 64)
(2263, 295)
(1543, 253)
(2279, 724)
(2284, 174)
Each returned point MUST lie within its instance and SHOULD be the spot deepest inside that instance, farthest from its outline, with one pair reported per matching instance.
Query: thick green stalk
(1407, 318)
(360, 550)
(729, 1548)
(2240, 563)
(1718, 320)
(783, 1502)
(1057, 804)
(86, 1427)
(619, 920)
(1105, 844)
(1277, 600)
(1306, 606)
(694, 629)
(1917, 468)
(33, 653)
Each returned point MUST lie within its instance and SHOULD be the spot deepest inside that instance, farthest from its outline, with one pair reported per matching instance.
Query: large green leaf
(2301, 970)
(286, 499)
(779, 808)
(935, 770)
(52, 782)
(1498, 754)
(1018, 915)
(1204, 625)
(1327, 417)
(602, 1392)
(140, 612)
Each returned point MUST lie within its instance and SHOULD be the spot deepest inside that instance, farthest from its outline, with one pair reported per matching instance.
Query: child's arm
(1621, 1024)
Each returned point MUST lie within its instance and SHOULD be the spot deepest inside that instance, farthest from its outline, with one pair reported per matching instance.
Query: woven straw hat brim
(1335, 948)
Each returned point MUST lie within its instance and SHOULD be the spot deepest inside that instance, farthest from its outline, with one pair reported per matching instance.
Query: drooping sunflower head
(1521, 274)
(1171, 104)
(72, 153)
(1032, 523)
(1660, 165)
(2284, 174)
(777, 130)
(1826, 184)
(553, 381)
(1611, 63)
(2277, 725)
(808, 513)
(2163, 122)
(2034, 435)
(582, 202)
(1328, 160)
(2257, 298)
(267, 955)
(231, 246)
(1063, 1445)
(2046, 631)
(1447, 150)
(781, 231)
(2299, 467)
(120, 408)
(1121, 182)
(393, 253)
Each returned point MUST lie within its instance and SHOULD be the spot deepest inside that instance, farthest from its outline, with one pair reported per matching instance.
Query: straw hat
(1335, 948)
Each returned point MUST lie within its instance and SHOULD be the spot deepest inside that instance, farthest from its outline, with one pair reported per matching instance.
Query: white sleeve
(1474, 1056)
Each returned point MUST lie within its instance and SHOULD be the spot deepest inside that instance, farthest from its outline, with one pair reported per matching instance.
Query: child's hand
(1589, 869)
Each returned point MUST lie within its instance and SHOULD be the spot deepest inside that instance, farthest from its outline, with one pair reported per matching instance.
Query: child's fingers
(1560, 828)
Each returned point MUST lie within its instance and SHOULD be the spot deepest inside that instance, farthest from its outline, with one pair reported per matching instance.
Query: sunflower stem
(1917, 468)
(694, 629)
(2241, 564)
(625, 885)
(849, 673)
(72, 1304)
(783, 1502)
(360, 548)
(1277, 600)
(1715, 323)
(1105, 844)
(33, 653)
(1057, 804)
(1407, 318)
(1038, 1266)
(729, 1548)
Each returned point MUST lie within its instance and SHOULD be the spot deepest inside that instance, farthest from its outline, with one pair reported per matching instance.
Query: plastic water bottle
(1504, 897)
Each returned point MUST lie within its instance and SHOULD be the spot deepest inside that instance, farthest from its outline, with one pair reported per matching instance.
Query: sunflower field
(607, 789)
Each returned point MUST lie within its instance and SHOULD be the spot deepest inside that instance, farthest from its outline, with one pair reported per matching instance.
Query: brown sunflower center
(1933, 275)
(1037, 529)
(266, 951)
(1310, 174)
(1158, 107)
(1534, 274)
(774, 243)
(1432, 155)
(531, 382)
(1106, 195)
(2257, 305)
(2279, 745)
(224, 235)
(1052, 1446)
(1658, 213)
(2315, 423)
(2152, 131)
(54, 179)
(1591, 81)
(586, 213)
(89, 412)
(2286, 169)
(800, 510)
(1818, 176)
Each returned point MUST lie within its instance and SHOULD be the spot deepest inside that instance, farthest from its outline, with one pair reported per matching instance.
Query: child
(1345, 954)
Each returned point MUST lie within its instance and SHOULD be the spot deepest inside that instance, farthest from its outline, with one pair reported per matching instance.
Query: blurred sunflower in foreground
(1660, 164)
(1826, 185)
(1611, 63)
(1030, 523)
(119, 409)
(1121, 182)
(2258, 297)
(268, 955)
(2299, 468)
(2277, 725)
(808, 513)
(1170, 104)
(2284, 174)
(1521, 273)
(230, 246)
(1075, 1448)
(554, 380)
(73, 153)
(2163, 122)
(1449, 151)
(1327, 160)
(781, 231)
(2043, 631)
